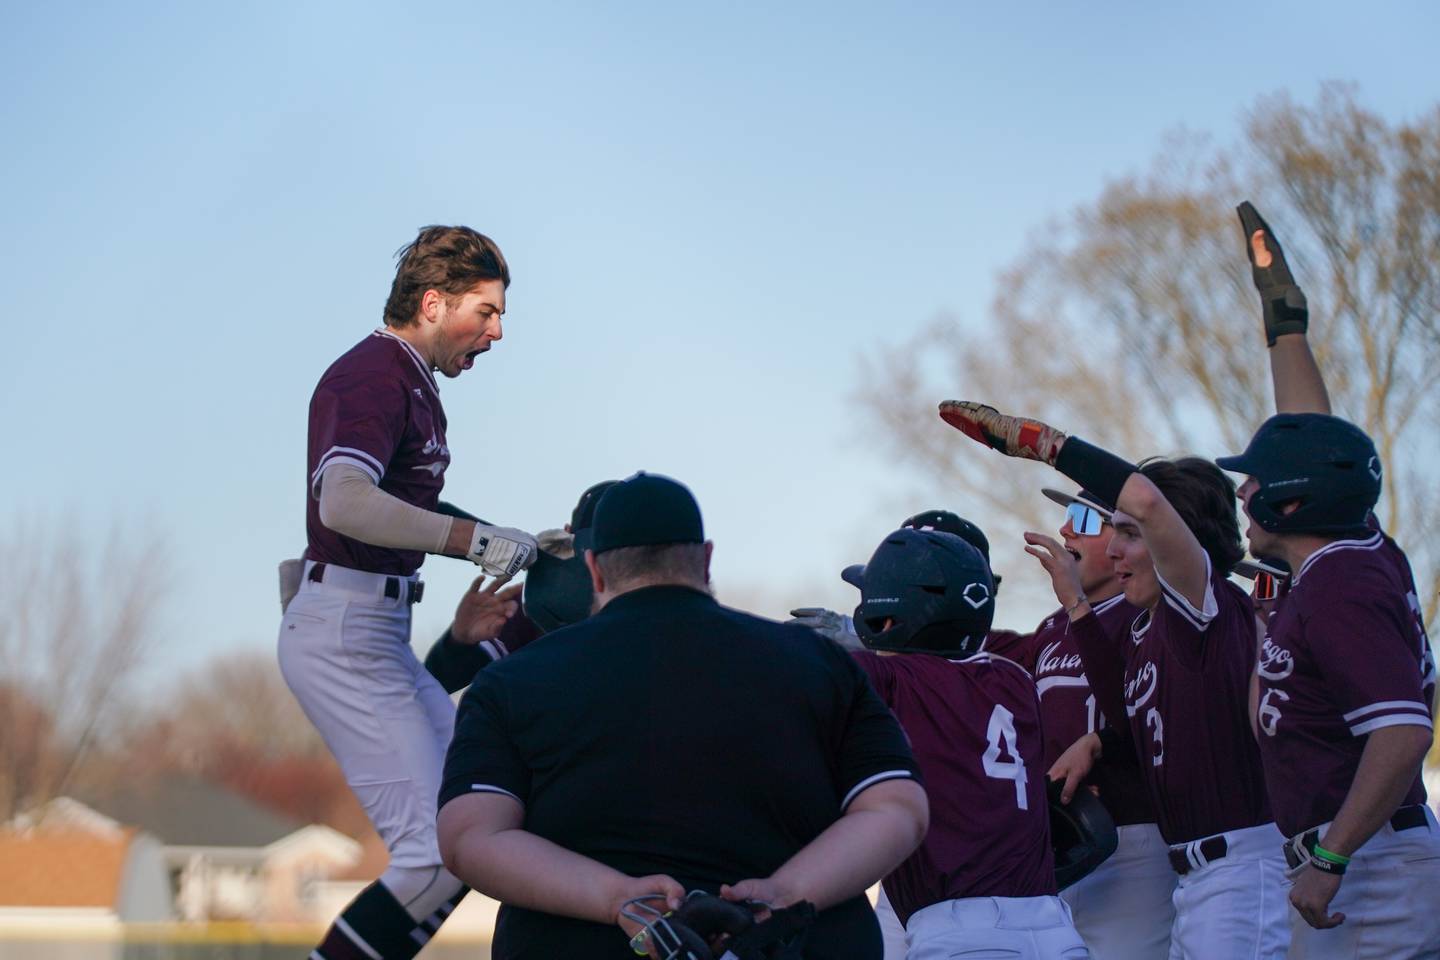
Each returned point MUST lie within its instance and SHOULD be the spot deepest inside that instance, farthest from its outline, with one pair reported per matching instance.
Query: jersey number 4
(1001, 735)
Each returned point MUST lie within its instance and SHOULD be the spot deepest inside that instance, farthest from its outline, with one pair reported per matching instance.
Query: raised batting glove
(1012, 436)
(502, 551)
(829, 624)
(1281, 299)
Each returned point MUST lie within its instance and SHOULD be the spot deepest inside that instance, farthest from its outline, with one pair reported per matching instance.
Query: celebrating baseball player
(1184, 702)
(376, 465)
(984, 879)
(1123, 909)
(1346, 674)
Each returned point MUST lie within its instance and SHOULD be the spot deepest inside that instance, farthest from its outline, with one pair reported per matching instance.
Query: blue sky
(711, 214)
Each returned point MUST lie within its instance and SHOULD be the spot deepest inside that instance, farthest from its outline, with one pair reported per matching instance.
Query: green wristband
(1336, 858)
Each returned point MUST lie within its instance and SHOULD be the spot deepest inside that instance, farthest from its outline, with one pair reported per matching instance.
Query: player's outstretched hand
(1012, 436)
(1281, 299)
(1075, 764)
(484, 609)
(829, 624)
(1311, 896)
(502, 551)
(1063, 569)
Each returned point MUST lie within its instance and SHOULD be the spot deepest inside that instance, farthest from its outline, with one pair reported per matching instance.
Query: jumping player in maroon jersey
(377, 459)
(985, 875)
(1183, 704)
(1346, 674)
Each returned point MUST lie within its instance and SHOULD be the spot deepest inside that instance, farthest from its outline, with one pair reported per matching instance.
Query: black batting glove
(1281, 299)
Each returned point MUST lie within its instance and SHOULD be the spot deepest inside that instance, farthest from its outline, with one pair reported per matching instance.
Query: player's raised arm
(1299, 387)
(1141, 509)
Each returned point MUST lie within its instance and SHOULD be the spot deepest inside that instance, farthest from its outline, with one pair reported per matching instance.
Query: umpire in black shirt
(667, 744)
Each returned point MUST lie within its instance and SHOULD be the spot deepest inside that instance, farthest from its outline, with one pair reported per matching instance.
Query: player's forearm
(353, 506)
(520, 868)
(1387, 768)
(871, 839)
(1299, 387)
(1104, 668)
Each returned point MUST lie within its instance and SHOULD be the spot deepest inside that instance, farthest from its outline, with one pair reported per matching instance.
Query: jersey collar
(1371, 542)
(419, 361)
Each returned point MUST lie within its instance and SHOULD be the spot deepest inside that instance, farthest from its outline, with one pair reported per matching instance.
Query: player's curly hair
(448, 259)
(1204, 496)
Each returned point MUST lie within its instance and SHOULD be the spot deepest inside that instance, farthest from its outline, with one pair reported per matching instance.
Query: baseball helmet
(925, 591)
(558, 591)
(945, 522)
(1082, 833)
(1326, 465)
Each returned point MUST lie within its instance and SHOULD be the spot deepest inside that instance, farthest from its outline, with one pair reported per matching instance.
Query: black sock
(373, 924)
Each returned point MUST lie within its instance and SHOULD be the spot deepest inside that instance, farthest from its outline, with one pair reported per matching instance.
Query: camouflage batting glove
(1012, 436)
(1281, 299)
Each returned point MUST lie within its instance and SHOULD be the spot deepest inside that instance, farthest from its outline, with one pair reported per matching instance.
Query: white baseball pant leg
(890, 927)
(1124, 910)
(1390, 896)
(1023, 928)
(1237, 906)
(345, 653)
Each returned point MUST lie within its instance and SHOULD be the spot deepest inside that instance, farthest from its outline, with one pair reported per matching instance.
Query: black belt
(1210, 849)
(395, 587)
(1406, 818)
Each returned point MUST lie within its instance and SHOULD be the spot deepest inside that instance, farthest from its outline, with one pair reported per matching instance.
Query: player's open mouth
(469, 360)
(1074, 553)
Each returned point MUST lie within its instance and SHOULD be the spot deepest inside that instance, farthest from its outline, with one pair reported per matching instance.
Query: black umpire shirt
(669, 734)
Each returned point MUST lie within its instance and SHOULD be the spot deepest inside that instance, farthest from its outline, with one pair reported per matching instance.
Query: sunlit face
(1133, 565)
(1263, 543)
(1091, 555)
(469, 324)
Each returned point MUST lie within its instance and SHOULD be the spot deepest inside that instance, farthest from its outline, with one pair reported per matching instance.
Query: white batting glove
(829, 624)
(502, 551)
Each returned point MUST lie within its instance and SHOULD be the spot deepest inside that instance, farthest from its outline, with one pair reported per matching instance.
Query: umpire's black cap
(645, 510)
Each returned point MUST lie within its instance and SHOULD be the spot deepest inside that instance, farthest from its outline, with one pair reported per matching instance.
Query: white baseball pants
(1236, 906)
(1390, 896)
(1124, 910)
(1025, 928)
(345, 653)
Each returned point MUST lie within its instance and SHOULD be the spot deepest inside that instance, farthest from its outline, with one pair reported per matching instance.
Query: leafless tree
(1133, 321)
(76, 624)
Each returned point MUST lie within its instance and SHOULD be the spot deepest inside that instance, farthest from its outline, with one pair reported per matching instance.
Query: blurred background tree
(1133, 322)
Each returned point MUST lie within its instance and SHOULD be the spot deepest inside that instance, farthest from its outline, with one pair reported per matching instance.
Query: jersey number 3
(1001, 735)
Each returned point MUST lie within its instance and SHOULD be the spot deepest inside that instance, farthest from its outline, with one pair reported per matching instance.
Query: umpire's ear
(597, 579)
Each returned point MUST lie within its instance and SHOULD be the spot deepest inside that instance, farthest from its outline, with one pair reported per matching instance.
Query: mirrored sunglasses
(1085, 521)
(1267, 586)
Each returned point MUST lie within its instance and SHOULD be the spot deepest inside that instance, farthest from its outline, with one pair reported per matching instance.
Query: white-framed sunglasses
(1085, 521)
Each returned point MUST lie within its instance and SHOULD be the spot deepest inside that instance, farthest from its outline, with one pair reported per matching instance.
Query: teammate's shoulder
(994, 661)
(1352, 566)
(378, 353)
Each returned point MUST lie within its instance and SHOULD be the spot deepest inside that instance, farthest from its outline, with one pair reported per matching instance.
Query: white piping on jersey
(1393, 720)
(420, 363)
(1104, 605)
(870, 781)
(491, 788)
(1042, 685)
(365, 462)
(1386, 705)
(1371, 542)
(987, 657)
(1199, 619)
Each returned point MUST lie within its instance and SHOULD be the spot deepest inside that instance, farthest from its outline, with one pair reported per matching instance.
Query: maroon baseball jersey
(1345, 654)
(1070, 709)
(974, 726)
(1186, 699)
(377, 408)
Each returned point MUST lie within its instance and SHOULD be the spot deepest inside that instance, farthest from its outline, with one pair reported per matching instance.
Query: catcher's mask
(924, 591)
(1082, 834)
(1325, 465)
